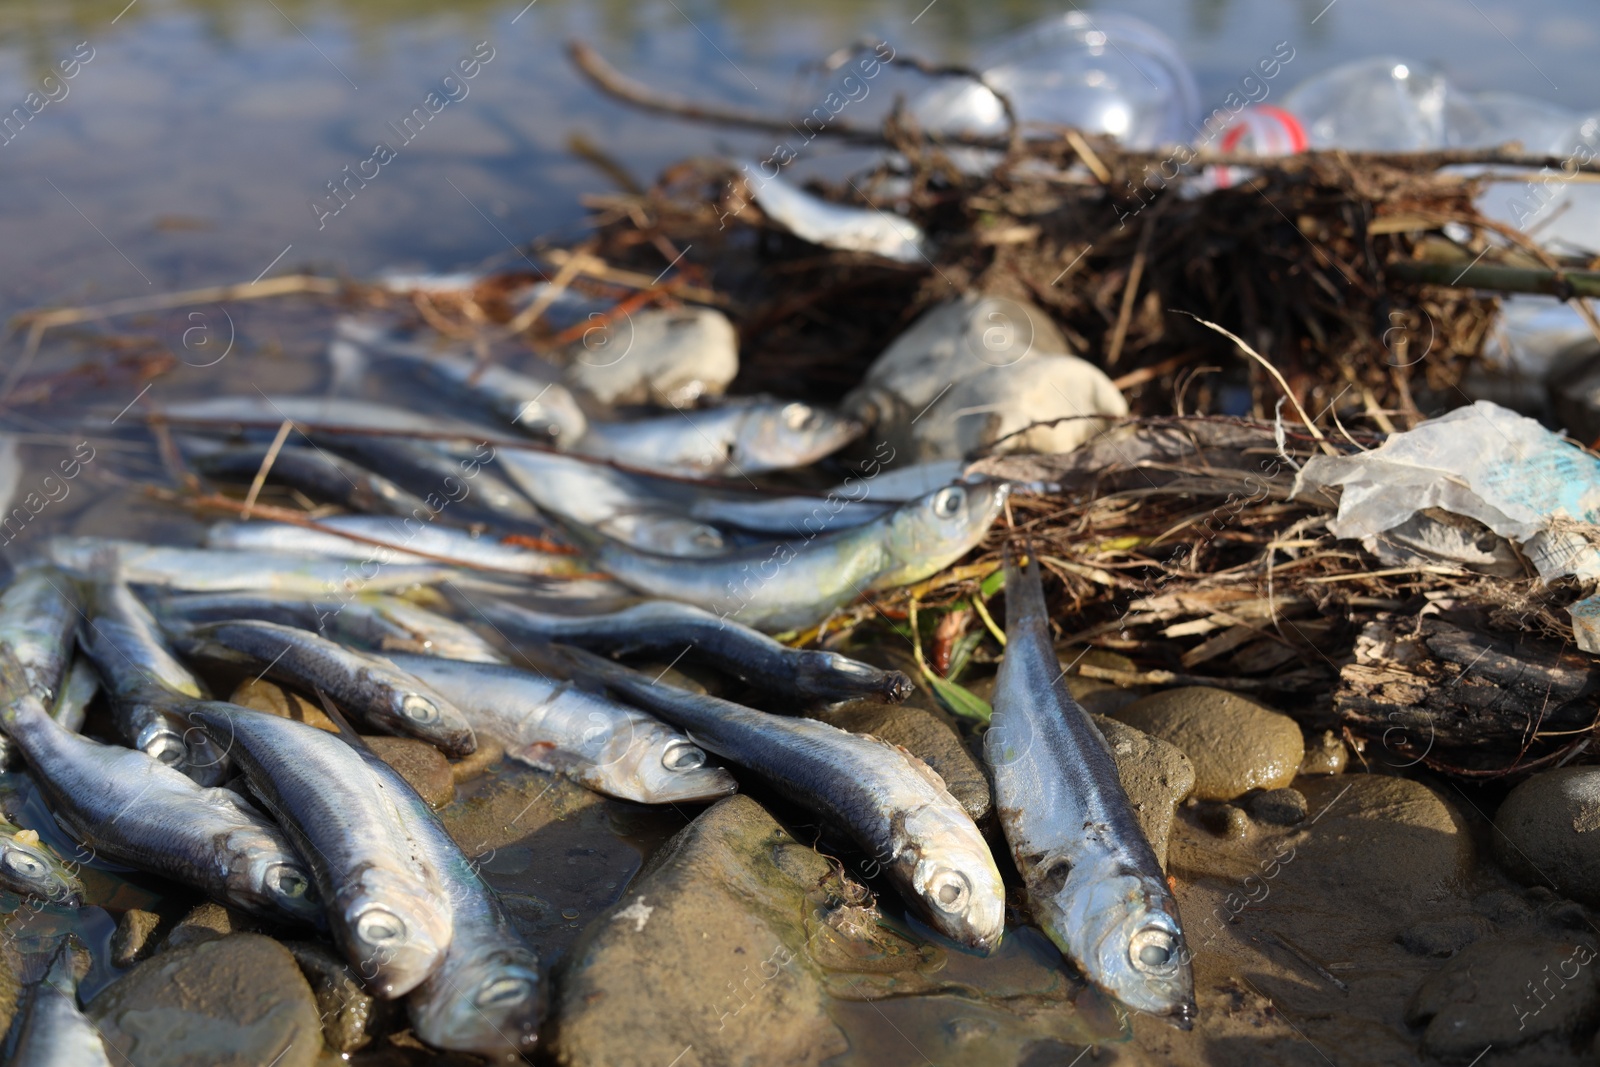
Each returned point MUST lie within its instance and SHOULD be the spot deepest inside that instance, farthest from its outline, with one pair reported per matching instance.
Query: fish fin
(934, 778)
(347, 733)
(1024, 589)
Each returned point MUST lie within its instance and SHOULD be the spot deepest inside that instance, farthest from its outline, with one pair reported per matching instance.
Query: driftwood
(1436, 690)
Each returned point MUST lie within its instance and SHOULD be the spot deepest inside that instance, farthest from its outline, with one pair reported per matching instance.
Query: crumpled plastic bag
(1486, 463)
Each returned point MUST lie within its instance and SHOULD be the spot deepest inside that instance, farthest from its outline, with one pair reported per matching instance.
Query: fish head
(26, 868)
(929, 533)
(425, 714)
(639, 759)
(954, 877)
(1122, 928)
(391, 928)
(781, 436)
(555, 414)
(492, 1004)
(267, 874)
(832, 676)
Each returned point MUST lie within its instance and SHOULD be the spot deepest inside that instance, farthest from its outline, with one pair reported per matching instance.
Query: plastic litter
(848, 229)
(1484, 463)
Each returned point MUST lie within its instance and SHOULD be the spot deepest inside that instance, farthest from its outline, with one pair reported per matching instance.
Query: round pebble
(420, 764)
(1280, 807)
(1236, 745)
(1550, 831)
(1325, 754)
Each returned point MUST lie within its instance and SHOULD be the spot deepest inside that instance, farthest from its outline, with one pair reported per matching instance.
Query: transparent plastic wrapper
(1486, 463)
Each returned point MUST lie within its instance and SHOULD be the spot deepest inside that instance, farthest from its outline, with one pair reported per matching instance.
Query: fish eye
(419, 709)
(503, 991)
(797, 416)
(949, 501)
(287, 882)
(22, 863)
(949, 890)
(1153, 950)
(682, 756)
(377, 926)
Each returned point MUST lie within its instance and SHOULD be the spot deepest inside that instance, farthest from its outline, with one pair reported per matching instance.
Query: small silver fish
(538, 405)
(791, 674)
(30, 869)
(364, 684)
(120, 803)
(556, 726)
(204, 570)
(841, 226)
(889, 801)
(381, 894)
(611, 502)
(123, 640)
(376, 622)
(856, 500)
(484, 995)
(399, 541)
(1093, 881)
(739, 437)
(49, 1029)
(794, 584)
(38, 614)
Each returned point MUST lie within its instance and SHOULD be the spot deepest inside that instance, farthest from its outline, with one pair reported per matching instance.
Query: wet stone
(276, 700)
(1155, 775)
(924, 735)
(1325, 754)
(351, 1017)
(1508, 993)
(206, 922)
(1444, 936)
(1236, 745)
(236, 1001)
(135, 937)
(1550, 830)
(420, 764)
(1280, 807)
(707, 948)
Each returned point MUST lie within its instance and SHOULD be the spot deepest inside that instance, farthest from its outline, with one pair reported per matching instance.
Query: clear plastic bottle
(1384, 103)
(1105, 73)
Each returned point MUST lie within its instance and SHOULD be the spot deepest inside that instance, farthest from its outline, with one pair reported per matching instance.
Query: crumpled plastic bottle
(1105, 73)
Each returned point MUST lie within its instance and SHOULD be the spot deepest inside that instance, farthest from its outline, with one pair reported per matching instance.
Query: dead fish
(1093, 882)
(381, 894)
(794, 584)
(556, 726)
(791, 674)
(38, 614)
(29, 868)
(317, 473)
(124, 641)
(406, 541)
(610, 502)
(889, 801)
(383, 624)
(49, 1029)
(205, 570)
(134, 810)
(364, 684)
(737, 438)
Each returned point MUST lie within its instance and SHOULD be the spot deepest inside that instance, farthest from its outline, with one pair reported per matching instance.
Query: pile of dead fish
(570, 539)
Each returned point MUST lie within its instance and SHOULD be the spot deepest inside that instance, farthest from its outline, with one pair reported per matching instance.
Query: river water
(190, 148)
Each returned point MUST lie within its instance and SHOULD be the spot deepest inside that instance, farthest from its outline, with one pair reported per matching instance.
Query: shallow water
(191, 148)
(188, 150)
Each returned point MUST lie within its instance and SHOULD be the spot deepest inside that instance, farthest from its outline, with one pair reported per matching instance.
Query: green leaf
(993, 584)
(960, 700)
(961, 655)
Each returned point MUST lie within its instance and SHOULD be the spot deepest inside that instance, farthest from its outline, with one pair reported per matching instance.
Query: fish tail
(1024, 590)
